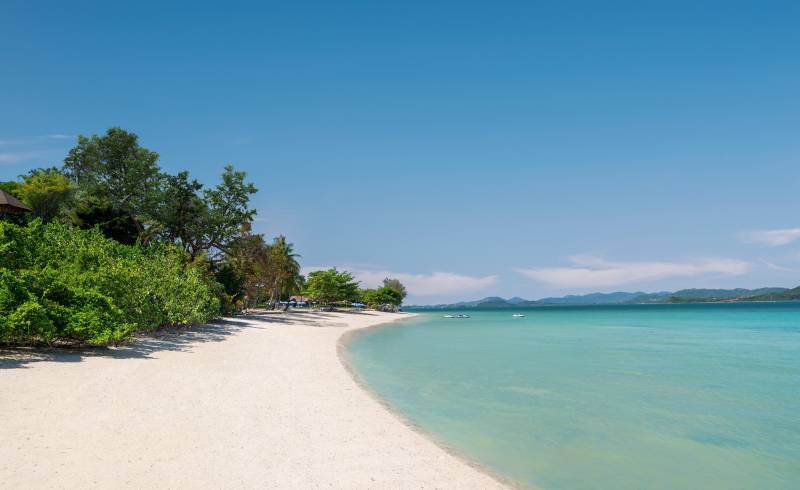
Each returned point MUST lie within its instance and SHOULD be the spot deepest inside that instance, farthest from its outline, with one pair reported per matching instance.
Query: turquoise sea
(703, 396)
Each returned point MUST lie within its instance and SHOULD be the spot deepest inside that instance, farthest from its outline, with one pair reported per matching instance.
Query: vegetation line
(108, 245)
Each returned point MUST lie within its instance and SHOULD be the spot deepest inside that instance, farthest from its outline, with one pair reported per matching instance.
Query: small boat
(449, 316)
(518, 315)
(462, 316)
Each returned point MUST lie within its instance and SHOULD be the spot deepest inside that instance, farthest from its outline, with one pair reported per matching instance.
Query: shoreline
(341, 349)
(258, 401)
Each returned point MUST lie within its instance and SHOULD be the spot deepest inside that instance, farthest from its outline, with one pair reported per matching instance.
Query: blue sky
(469, 148)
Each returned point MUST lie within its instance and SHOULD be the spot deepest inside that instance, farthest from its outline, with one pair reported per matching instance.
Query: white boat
(518, 315)
(449, 316)
(462, 316)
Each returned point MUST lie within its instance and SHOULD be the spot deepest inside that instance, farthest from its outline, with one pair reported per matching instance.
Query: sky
(468, 148)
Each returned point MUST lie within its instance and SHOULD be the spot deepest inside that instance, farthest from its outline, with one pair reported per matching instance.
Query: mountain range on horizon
(639, 297)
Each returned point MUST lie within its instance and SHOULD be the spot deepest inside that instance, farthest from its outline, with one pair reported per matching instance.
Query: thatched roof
(11, 204)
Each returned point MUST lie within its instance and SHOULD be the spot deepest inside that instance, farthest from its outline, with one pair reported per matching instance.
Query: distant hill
(621, 297)
(784, 295)
(703, 295)
(591, 299)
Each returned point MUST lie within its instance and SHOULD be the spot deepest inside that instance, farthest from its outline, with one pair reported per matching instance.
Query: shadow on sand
(141, 347)
(305, 318)
(182, 340)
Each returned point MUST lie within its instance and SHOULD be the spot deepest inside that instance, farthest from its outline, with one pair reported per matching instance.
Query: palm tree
(284, 270)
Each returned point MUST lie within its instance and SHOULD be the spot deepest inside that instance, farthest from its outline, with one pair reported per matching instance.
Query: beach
(262, 401)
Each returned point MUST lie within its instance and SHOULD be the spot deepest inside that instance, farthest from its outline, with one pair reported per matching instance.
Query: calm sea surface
(607, 397)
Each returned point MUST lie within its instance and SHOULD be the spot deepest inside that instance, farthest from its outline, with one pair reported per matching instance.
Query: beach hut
(10, 204)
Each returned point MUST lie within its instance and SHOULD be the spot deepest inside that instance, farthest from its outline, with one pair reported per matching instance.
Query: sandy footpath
(256, 402)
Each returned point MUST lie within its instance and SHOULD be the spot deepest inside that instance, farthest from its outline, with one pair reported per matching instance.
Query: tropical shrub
(63, 283)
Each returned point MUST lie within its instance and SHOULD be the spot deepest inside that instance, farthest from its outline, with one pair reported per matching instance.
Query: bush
(63, 283)
(29, 321)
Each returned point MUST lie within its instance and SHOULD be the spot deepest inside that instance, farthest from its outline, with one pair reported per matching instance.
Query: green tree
(115, 169)
(46, 191)
(397, 286)
(181, 212)
(249, 257)
(284, 270)
(227, 213)
(11, 186)
(331, 286)
(377, 298)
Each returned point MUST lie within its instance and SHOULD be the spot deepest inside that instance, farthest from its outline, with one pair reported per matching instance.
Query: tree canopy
(331, 286)
(376, 298)
(46, 191)
(114, 168)
(115, 245)
(396, 286)
(113, 183)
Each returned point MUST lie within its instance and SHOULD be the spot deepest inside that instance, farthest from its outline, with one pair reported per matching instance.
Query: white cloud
(32, 148)
(775, 267)
(434, 284)
(35, 139)
(590, 271)
(772, 238)
(22, 156)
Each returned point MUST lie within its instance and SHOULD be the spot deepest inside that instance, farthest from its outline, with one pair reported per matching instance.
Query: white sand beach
(256, 402)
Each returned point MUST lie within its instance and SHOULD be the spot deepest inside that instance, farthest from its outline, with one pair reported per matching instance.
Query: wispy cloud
(26, 149)
(31, 140)
(434, 284)
(59, 136)
(772, 238)
(591, 271)
(775, 267)
(23, 156)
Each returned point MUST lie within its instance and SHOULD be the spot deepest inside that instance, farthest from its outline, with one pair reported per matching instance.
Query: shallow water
(606, 397)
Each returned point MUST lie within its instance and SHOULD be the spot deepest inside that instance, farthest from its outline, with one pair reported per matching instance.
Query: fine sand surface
(256, 402)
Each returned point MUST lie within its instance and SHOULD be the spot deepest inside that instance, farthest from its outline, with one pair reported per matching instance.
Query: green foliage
(331, 286)
(114, 223)
(181, 212)
(248, 258)
(112, 182)
(230, 288)
(59, 282)
(375, 298)
(177, 254)
(29, 321)
(11, 186)
(46, 192)
(228, 212)
(208, 223)
(396, 286)
(283, 270)
(391, 294)
(115, 169)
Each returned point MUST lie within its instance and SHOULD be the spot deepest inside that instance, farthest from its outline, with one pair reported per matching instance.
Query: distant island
(621, 297)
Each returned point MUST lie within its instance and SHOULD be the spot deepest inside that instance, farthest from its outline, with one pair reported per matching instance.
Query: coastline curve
(342, 347)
